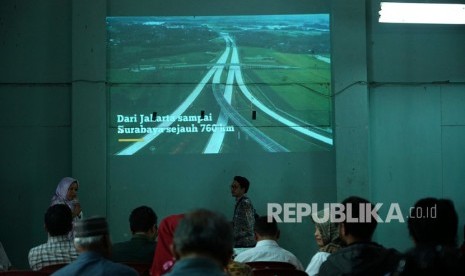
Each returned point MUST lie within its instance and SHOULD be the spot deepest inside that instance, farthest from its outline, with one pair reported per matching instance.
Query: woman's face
(318, 238)
(72, 191)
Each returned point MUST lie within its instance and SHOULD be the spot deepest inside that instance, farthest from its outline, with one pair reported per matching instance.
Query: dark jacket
(91, 263)
(139, 249)
(428, 260)
(364, 258)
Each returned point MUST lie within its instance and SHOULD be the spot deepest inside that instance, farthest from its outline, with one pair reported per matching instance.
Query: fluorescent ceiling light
(423, 13)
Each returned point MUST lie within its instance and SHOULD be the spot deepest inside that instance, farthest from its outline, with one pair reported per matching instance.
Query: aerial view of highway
(213, 85)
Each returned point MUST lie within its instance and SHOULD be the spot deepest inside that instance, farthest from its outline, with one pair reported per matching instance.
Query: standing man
(244, 214)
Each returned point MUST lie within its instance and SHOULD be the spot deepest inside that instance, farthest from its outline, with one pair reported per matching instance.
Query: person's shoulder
(341, 252)
(333, 260)
(57, 201)
(246, 201)
(37, 249)
(142, 239)
(114, 268)
(120, 244)
(285, 251)
(294, 260)
(368, 249)
(321, 256)
(331, 265)
(246, 198)
(315, 263)
(65, 271)
(134, 243)
(389, 254)
(119, 250)
(246, 255)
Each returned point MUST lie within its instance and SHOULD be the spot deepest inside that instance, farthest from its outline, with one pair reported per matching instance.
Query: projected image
(219, 84)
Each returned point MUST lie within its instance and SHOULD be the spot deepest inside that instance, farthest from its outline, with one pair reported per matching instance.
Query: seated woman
(327, 239)
(435, 250)
(66, 193)
(164, 260)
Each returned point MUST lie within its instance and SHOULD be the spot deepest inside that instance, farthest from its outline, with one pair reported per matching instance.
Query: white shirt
(268, 251)
(314, 266)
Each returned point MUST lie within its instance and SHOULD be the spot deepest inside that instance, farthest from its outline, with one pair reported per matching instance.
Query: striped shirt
(57, 250)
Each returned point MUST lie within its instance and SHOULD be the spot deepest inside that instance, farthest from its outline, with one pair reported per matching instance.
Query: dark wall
(35, 117)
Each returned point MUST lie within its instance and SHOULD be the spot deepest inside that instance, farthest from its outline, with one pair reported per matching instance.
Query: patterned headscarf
(329, 232)
(238, 269)
(62, 191)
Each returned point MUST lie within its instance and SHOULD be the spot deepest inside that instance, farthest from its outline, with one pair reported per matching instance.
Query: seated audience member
(434, 233)
(361, 256)
(203, 244)
(267, 248)
(163, 260)
(141, 247)
(59, 249)
(5, 263)
(462, 248)
(92, 241)
(327, 239)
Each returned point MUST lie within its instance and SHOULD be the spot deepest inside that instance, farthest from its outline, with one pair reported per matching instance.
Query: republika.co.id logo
(338, 212)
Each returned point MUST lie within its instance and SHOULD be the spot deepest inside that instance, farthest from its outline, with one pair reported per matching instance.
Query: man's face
(236, 189)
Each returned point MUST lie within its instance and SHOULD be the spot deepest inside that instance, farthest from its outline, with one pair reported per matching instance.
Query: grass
(303, 92)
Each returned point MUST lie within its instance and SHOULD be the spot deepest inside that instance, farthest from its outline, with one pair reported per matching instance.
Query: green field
(303, 91)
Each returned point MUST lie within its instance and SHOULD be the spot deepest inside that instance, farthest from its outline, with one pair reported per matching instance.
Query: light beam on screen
(422, 13)
(224, 68)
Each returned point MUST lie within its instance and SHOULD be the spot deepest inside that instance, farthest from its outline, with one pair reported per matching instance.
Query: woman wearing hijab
(164, 259)
(66, 193)
(327, 239)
